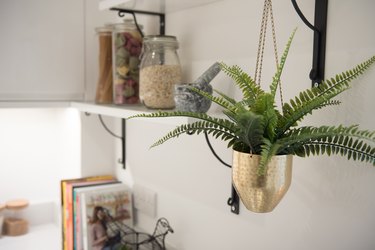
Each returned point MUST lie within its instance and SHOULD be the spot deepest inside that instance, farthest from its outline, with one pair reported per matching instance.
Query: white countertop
(40, 237)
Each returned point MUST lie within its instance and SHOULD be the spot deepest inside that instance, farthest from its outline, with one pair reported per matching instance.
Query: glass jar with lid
(2, 208)
(127, 46)
(104, 90)
(160, 70)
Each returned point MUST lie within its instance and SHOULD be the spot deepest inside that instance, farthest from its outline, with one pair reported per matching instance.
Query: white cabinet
(42, 50)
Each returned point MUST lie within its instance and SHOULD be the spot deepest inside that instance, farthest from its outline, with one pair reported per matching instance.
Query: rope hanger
(267, 12)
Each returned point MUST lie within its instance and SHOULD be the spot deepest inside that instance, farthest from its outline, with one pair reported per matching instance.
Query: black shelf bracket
(123, 142)
(234, 200)
(320, 33)
(121, 13)
(122, 137)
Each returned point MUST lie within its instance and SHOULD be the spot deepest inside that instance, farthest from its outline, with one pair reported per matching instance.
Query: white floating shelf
(130, 110)
(125, 112)
(110, 109)
(160, 6)
(45, 236)
(34, 104)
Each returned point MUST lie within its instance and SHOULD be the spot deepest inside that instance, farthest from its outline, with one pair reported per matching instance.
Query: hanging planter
(261, 193)
(273, 134)
(256, 124)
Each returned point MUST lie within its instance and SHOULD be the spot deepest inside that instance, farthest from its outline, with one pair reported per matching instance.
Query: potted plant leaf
(264, 138)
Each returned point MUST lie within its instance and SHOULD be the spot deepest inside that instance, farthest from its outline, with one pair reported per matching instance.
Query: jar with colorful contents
(160, 70)
(104, 91)
(127, 46)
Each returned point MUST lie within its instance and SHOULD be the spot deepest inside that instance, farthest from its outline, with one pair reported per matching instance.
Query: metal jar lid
(127, 24)
(161, 40)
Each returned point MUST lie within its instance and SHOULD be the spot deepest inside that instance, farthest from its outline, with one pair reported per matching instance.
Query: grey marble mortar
(188, 100)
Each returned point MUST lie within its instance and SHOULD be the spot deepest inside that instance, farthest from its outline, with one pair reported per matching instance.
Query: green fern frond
(268, 151)
(247, 103)
(218, 100)
(339, 133)
(330, 140)
(224, 123)
(309, 100)
(162, 114)
(250, 129)
(344, 78)
(298, 109)
(361, 153)
(197, 128)
(227, 98)
(265, 107)
(247, 85)
(329, 103)
(280, 67)
(240, 107)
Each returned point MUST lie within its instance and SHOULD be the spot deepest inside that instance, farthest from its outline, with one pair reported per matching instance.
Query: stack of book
(91, 208)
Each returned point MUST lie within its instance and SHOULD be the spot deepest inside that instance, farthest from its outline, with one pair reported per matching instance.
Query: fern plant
(255, 125)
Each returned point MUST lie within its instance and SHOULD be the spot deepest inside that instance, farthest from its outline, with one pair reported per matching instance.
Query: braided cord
(267, 10)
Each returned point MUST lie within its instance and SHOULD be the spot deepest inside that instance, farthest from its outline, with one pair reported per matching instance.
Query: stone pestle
(188, 100)
(209, 74)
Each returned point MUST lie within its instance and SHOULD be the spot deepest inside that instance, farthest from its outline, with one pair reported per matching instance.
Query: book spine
(64, 215)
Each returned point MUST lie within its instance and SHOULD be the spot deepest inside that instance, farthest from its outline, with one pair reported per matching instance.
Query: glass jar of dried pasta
(160, 70)
(104, 92)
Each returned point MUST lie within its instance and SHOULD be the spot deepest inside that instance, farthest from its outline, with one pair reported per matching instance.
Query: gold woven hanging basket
(261, 194)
